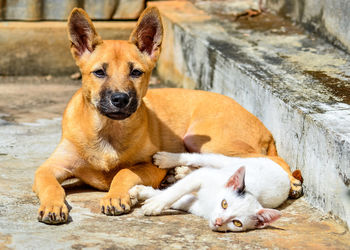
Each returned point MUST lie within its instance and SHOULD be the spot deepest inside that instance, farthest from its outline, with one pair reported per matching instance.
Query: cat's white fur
(246, 190)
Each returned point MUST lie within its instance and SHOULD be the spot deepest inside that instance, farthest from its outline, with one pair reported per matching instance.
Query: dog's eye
(99, 73)
(135, 73)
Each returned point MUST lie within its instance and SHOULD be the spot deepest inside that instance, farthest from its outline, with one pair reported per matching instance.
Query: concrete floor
(29, 131)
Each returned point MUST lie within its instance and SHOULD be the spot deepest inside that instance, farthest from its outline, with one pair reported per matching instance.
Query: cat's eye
(237, 223)
(100, 73)
(136, 73)
(224, 204)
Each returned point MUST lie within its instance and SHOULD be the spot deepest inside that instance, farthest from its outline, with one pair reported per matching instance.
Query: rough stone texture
(101, 9)
(128, 9)
(34, 10)
(329, 18)
(42, 48)
(22, 9)
(25, 144)
(226, 7)
(57, 10)
(297, 85)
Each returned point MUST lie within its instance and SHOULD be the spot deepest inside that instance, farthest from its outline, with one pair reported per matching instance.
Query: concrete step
(42, 48)
(328, 18)
(35, 10)
(297, 84)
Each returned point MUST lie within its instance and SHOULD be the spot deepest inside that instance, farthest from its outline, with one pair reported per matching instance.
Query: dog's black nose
(120, 100)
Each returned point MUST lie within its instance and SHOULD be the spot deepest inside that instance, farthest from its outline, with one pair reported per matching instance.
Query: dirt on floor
(26, 99)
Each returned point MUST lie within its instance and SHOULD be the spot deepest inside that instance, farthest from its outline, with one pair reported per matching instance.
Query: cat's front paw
(140, 193)
(165, 159)
(134, 194)
(154, 205)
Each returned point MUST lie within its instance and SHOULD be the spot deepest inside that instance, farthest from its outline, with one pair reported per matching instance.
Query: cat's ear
(266, 216)
(236, 181)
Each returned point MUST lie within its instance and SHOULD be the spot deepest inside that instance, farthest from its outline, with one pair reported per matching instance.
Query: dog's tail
(271, 149)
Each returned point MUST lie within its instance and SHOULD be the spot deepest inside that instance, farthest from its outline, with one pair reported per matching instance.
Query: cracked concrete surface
(26, 141)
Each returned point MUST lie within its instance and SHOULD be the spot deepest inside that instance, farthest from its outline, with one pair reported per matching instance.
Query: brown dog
(111, 128)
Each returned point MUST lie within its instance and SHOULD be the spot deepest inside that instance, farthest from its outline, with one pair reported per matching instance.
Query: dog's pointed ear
(148, 34)
(82, 33)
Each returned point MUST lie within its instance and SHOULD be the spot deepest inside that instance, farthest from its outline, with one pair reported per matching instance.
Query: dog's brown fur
(115, 154)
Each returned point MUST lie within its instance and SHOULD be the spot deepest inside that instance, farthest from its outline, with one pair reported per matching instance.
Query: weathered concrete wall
(329, 18)
(34, 10)
(297, 86)
(42, 48)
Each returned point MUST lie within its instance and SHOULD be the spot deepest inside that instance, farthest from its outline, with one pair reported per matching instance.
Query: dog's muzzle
(117, 105)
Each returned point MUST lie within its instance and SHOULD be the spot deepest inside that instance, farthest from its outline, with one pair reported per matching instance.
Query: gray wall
(34, 10)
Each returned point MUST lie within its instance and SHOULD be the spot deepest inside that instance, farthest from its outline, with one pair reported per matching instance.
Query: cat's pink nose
(218, 222)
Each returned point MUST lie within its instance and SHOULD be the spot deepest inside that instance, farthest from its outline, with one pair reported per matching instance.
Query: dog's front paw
(165, 159)
(53, 212)
(154, 205)
(115, 204)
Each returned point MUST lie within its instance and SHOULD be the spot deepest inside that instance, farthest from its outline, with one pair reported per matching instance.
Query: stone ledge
(328, 18)
(35, 10)
(42, 48)
(296, 84)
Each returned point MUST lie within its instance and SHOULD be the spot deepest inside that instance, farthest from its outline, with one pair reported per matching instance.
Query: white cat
(230, 196)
